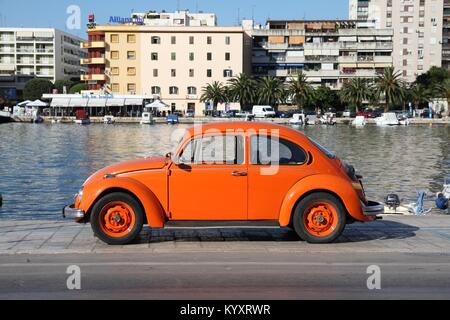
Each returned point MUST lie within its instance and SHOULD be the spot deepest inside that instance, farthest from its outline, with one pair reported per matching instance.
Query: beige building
(172, 64)
(417, 26)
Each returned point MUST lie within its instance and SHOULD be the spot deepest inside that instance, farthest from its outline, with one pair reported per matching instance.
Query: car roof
(246, 125)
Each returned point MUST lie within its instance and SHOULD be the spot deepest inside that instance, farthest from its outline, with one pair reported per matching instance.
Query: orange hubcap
(117, 219)
(320, 219)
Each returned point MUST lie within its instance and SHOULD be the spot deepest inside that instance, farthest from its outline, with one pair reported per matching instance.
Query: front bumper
(70, 212)
(373, 209)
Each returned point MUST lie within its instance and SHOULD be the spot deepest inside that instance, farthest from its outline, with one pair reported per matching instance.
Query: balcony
(93, 61)
(278, 32)
(92, 45)
(278, 73)
(322, 46)
(95, 77)
(322, 73)
(347, 59)
(366, 45)
(6, 39)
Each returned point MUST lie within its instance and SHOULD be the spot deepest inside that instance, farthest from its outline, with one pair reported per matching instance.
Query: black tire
(135, 229)
(302, 208)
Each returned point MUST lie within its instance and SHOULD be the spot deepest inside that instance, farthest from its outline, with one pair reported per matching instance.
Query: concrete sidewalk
(394, 234)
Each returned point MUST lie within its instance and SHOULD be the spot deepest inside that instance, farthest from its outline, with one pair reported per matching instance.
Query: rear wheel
(319, 218)
(117, 219)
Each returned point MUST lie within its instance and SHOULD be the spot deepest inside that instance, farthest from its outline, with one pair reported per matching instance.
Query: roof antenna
(178, 5)
(239, 16)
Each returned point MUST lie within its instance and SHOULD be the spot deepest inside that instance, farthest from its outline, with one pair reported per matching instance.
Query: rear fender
(154, 212)
(340, 187)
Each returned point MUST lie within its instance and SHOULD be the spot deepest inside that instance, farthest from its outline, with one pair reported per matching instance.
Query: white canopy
(37, 103)
(24, 103)
(60, 102)
(157, 105)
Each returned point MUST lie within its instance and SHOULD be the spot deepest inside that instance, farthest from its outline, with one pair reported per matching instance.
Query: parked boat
(387, 119)
(328, 119)
(5, 117)
(360, 121)
(81, 117)
(298, 119)
(109, 120)
(172, 119)
(147, 118)
(311, 119)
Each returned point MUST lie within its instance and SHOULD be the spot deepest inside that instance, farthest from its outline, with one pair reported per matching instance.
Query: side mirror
(169, 155)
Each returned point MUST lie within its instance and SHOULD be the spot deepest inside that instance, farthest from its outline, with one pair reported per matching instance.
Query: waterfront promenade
(412, 252)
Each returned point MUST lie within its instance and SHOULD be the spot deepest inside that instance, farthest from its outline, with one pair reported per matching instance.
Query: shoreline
(339, 121)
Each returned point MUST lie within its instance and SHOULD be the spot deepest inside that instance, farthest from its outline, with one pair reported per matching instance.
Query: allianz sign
(122, 20)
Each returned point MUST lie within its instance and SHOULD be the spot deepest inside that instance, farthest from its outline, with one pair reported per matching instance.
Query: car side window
(265, 150)
(214, 150)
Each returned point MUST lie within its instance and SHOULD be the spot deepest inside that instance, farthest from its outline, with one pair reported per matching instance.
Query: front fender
(322, 183)
(152, 207)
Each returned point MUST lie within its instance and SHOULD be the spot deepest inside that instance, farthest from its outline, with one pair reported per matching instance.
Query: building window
(209, 56)
(131, 38)
(173, 56)
(227, 56)
(191, 73)
(131, 55)
(155, 73)
(227, 40)
(131, 88)
(156, 90)
(173, 40)
(227, 73)
(115, 87)
(173, 90)
(115, 71)
(114, 38)
(405, 40)
(173, 73)
(154, 56)
(191, 56)
(209, 73)
(191, 40)
(192, 90)
(131, 71)
(209, 40)
(114, 55)
(156, 40)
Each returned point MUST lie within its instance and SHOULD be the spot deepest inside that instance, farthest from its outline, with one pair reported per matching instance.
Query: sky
(53, 13)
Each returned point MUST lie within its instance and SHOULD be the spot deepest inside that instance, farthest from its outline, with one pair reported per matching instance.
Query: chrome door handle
(239, 174)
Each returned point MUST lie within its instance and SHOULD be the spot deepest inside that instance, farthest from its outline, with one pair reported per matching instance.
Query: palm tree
(215, 92)
(271, 91)
(242, 88)
(418, 94)
(390, 86)
(355, 92)
(300, 90)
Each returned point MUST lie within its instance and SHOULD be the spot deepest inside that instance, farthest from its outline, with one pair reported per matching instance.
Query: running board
(222, 225)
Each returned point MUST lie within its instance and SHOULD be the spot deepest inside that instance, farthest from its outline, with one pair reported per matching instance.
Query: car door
(209, 180)
(276, 164)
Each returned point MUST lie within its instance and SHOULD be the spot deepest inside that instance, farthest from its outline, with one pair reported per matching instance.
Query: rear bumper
(70, 212)
(372, 209)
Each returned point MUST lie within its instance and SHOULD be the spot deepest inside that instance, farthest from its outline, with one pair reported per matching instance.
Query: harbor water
(43, 166)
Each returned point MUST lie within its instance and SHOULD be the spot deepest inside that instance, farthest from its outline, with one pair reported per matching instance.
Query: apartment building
(418, 31)
(328, 52)
(169, 63)
(446, 35)
(26, 53)
(181, 18)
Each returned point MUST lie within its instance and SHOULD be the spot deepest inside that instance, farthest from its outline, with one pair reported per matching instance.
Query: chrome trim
(70, 212)
(372, 209)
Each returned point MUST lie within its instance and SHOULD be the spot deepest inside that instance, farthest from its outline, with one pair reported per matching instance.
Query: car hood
(152, 163)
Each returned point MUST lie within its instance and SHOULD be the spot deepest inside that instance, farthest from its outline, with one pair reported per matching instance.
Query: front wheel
(319, 218)
(117, 219)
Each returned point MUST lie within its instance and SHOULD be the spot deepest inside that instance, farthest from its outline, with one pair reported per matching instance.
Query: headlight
(80, 195)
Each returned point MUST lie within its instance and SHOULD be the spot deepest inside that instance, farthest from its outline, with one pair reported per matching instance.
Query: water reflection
(42, 166)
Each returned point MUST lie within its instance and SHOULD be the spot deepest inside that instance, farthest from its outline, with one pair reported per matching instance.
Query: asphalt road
(226, 276)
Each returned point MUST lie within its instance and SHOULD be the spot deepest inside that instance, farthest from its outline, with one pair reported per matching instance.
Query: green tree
(355, 92)
(389, 86)
(78, 88)
(325, 98)
(215, 92)
(35, 88)
(60, 84)
(418, 94)
(271, 91)
(433, 77)
(242, 88)
(300, 91)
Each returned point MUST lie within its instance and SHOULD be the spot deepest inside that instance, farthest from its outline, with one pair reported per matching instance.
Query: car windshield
(327, 152)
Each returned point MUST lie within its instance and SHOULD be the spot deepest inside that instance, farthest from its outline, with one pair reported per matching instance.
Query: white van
(263, 112)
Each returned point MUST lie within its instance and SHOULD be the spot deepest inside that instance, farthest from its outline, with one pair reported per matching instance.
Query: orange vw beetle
(228, 175)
